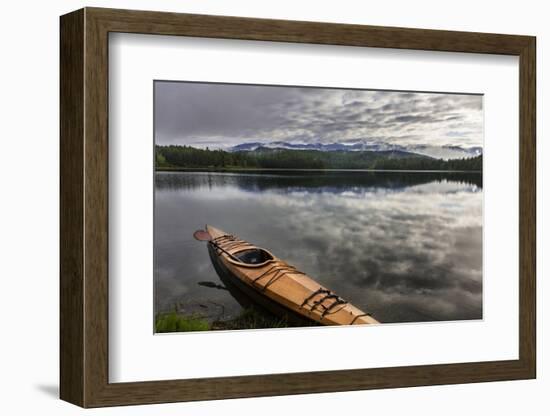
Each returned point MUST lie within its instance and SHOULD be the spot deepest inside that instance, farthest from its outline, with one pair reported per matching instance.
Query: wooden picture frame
(84, 207)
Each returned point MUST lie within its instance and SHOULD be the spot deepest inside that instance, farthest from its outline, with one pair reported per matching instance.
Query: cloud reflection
(405, 250)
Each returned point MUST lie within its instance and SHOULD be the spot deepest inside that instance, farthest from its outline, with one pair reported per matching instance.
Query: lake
(404, 246)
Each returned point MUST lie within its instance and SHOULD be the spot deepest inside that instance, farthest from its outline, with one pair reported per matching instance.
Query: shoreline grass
(250, 318)
(175, 322)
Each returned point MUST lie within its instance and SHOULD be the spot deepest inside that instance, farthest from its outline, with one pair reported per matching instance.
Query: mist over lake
(404, 246)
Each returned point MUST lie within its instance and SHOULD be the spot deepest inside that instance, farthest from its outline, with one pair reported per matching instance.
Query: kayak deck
(281, 283)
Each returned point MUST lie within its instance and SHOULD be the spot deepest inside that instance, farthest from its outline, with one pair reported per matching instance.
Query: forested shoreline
(187, 157)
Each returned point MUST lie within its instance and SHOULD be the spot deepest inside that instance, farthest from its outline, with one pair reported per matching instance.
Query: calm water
(403, 246)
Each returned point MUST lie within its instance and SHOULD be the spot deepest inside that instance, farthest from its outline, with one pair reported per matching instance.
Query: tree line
(188, 157)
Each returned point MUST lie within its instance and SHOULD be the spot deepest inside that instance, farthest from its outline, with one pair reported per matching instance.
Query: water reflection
(404, 246)
(313, 181)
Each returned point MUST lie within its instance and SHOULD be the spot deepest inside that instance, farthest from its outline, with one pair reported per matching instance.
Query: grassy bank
(250, 318)
(174, 322)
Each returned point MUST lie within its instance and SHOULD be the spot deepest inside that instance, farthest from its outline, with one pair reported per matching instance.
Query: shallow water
(403, 246)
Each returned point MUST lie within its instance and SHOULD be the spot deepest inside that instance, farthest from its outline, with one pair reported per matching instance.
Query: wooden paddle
(202, 235)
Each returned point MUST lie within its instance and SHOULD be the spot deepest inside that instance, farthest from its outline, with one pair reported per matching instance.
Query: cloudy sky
(223, 115)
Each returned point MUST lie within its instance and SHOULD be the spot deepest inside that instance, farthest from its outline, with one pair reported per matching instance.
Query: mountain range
(445, 152)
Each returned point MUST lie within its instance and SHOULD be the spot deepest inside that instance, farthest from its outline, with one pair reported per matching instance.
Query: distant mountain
(244, 147)
(446, 152)
(438, 152)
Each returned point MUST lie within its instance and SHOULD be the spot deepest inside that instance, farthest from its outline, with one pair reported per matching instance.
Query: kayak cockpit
(254, 256)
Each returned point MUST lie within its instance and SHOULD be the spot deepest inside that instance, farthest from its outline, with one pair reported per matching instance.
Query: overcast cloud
(223, 115)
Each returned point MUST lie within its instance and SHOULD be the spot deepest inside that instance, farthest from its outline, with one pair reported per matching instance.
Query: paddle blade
(202, 235)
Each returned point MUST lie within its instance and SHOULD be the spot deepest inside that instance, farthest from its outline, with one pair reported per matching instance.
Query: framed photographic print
(256, 207)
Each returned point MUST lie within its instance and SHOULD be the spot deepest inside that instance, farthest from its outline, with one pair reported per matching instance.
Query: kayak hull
(247, 296)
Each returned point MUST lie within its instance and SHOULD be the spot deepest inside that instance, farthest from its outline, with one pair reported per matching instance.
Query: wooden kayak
(278, 286)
